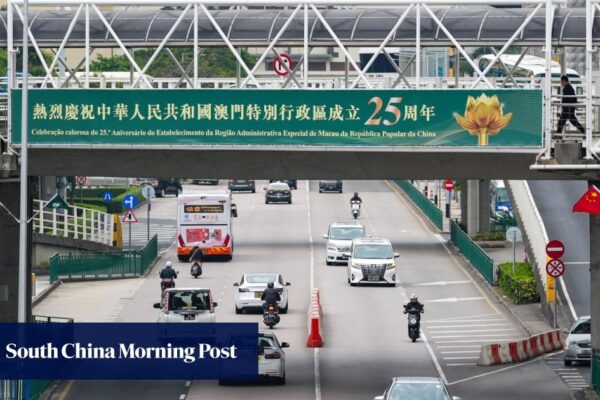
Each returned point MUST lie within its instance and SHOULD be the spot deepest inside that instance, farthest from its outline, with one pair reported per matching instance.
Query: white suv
(339, 240)
(371, 261)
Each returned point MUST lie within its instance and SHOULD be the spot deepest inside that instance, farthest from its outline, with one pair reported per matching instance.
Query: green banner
(321, 118)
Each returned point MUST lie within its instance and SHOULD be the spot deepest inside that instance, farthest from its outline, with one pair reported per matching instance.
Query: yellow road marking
(65, 392)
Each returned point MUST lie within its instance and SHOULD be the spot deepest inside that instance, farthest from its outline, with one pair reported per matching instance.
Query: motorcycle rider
(270, 296)
(414, 307)
(355, 198)
(196, 258)
(167, 273)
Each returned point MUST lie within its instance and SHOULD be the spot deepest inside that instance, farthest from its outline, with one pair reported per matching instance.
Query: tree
(115, 63)
(35, 66)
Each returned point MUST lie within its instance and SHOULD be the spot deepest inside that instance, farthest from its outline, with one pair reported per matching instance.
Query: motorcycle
(166, 283)
(355, 207)
(271, 316)
(196, 269)
(414, 323)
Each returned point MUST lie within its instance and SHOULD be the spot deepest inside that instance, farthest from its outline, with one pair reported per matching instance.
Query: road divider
(315, 315)
(520, 350)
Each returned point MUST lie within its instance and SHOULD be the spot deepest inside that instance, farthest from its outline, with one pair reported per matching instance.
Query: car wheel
(183, 258)
(266, 201)
(253, 190)
(320, 191)
(158, 193)
(290, 202)
(223, 383)
(284, 310)
(239, 310)
(568, 363)
(281, 381)
(329, 262)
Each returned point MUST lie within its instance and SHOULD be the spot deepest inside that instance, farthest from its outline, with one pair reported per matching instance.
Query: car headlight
(331, 248)
(572, 345)
(390, 266)
(357, 266)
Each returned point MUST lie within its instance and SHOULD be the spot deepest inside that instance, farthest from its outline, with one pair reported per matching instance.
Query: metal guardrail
(22, 390)
(431, 211)
(78, 223)
(100, 265)
(475, 254)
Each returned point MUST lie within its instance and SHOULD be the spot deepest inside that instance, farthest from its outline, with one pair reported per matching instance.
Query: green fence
(22, 390)
(430, 210)
(95, 265)
(471, 250)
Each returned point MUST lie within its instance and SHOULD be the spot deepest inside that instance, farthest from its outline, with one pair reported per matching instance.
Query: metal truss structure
(275, 24)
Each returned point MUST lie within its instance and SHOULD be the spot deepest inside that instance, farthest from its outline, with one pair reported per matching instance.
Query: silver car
(416, 389)
(578, 344)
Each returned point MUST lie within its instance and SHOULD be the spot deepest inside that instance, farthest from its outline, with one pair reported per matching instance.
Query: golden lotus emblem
(483, 118)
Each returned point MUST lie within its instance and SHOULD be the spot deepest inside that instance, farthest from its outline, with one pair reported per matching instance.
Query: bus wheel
(183, 258)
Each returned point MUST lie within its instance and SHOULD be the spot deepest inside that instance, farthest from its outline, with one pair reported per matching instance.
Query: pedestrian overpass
(543, 27)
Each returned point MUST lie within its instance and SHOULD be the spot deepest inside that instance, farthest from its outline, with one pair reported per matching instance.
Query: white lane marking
(182, 397)
(463, 318)
(467, 326)
(440, 283)
(460, 352)
(466, 335)
(461, 358)
(477, 341)
(460, 365)
(577, 263)
(462, 346)
(502, 369)
(188, 383)
(317, 369)
(475, 330)
(434, 358)
(454, 299)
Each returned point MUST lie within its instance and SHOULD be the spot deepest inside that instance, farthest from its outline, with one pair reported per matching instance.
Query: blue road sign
(107, 197)
(130, 201)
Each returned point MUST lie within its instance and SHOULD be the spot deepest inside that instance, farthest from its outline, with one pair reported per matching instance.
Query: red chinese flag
(589, 202)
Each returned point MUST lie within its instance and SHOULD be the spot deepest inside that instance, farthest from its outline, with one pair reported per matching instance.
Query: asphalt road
(364, 330)
(555, 200)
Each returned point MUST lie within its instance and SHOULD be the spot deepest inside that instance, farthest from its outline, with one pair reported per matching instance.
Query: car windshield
(582, 329)
(417, 391)
(261, 278)
(265, 342)
(189, 300)
(346, 233)
(279, 186)
(376, 251)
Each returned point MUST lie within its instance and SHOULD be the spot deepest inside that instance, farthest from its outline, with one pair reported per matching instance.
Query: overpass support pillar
(9, 252)
(595, 296)
(477, 208)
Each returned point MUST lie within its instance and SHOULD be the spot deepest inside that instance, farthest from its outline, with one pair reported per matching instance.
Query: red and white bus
(205, 221)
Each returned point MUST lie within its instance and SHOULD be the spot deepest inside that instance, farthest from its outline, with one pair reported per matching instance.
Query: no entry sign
(449, 184)
(555, 249)
(555, 268)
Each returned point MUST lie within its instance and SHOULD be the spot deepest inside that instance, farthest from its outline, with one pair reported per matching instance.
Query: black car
(242, 185)
(292, 183)
(207, 181)
(278, 192)
(330, 186)
(163, 187)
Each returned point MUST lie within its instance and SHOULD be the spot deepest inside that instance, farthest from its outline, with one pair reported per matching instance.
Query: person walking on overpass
(568, 112)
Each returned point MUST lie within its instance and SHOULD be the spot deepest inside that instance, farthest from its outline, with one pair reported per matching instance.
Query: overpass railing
(103, 265)
(532, 226)
(77, 223)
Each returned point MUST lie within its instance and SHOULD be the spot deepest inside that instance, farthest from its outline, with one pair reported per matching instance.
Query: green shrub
(491, 236)
(91, 206)
(520, 286)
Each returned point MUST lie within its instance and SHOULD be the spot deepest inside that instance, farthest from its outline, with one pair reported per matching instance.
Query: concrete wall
(45, 246)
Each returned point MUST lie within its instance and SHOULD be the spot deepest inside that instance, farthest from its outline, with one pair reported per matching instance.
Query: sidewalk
(41, 283)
